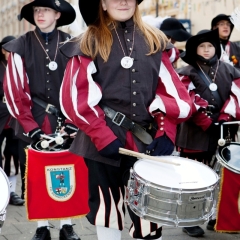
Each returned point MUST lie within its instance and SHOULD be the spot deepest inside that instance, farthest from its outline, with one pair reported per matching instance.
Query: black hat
(174, 29)
(68, 13)
(189, 56)
(89, 10)
(6, 39)
(219, 18)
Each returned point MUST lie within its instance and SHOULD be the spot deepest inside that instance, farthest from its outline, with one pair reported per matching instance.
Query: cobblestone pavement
(17, 227)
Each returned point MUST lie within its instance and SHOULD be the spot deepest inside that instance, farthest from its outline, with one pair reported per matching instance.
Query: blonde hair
(98, 37)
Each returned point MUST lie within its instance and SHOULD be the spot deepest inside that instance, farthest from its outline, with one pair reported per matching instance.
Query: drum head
(5, 192)
(230, 155)
(189, 175)
(52, 145)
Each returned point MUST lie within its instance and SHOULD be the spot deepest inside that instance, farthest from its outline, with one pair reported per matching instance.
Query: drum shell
(44, 184)
(5, 191)
(232, 164)
(170, 206)
(5, 195)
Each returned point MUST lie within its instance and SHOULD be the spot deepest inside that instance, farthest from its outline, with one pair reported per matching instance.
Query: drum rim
(5, 176)
(48, 152)
(178, 189)
(223, 163)
(151, 218)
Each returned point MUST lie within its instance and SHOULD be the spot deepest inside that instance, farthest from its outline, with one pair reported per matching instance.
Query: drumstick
(142, 155)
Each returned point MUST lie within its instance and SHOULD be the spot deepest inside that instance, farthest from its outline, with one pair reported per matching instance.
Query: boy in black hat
(33, 79)
(119, 67)
(175, 32)
(230, 51)
(212, 84)
(11, 146)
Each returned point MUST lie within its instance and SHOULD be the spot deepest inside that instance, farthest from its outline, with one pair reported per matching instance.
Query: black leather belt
(121, 120)
(49, 108)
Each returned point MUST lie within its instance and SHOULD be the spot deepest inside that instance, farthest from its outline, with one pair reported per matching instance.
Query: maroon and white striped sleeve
(79, 98)
(17, 93)
(172, 100)
(171, 97)
(231, 108)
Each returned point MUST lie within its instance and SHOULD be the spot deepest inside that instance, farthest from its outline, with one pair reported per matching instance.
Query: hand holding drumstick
(142, 155)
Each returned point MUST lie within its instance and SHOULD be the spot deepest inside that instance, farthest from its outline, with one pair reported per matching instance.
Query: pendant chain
(45, 50)
(205, 74)
(3, 64)
(121, 43)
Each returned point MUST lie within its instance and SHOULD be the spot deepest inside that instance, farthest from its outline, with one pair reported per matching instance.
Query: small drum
(57, 178)
(172, 195)
(4, 196)
(229, 157)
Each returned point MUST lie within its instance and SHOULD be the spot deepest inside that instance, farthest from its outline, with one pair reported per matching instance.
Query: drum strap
(49, 108)
(120, 119)
(207, 81)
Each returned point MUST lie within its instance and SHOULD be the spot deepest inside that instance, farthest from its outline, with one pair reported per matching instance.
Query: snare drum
(4, 196)
(57, 178)
(229, 157)
(172, 195)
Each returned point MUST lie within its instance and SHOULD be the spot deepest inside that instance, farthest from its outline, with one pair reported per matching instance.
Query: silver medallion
(127, 62)
(52, 66)
(213, 87)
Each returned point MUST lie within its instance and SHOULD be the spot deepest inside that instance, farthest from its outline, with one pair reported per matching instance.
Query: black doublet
(191, 136)
(44, 83)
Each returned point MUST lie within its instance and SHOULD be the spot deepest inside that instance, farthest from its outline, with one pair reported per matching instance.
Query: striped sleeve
(17, 93)
(197, 101)
(232, 105)
(171, 97)
(79, 98)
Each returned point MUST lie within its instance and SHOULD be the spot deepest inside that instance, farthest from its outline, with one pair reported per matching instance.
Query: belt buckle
(4, 99)
(116, 116)
(48, 107)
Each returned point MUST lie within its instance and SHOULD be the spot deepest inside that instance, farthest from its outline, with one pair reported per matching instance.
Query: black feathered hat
(68, 13)
(6, 39)
(89, 10)
(174, 29)
(219, 18)
(189, 56)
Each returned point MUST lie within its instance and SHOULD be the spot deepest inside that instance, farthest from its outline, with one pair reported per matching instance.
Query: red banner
(56, 185)
(228, 216)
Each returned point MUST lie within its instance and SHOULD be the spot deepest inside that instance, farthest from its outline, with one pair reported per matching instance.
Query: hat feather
(235, 18)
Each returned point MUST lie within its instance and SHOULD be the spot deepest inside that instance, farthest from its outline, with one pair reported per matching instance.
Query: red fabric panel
(228, 218)
(41, 202)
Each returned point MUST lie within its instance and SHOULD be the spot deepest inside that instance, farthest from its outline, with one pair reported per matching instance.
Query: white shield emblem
(60, 181)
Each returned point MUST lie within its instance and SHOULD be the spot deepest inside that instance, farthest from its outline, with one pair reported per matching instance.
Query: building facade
(198, 13)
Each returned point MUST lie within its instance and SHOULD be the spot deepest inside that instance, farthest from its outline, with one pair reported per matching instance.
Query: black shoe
(15, 199)
(195, 231)
(42, 233)
(67, 233)
(211, 224)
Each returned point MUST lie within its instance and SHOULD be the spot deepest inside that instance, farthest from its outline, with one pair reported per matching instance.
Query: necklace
(52, 64)
(126, 61)
(3, 64)
(212, 86)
